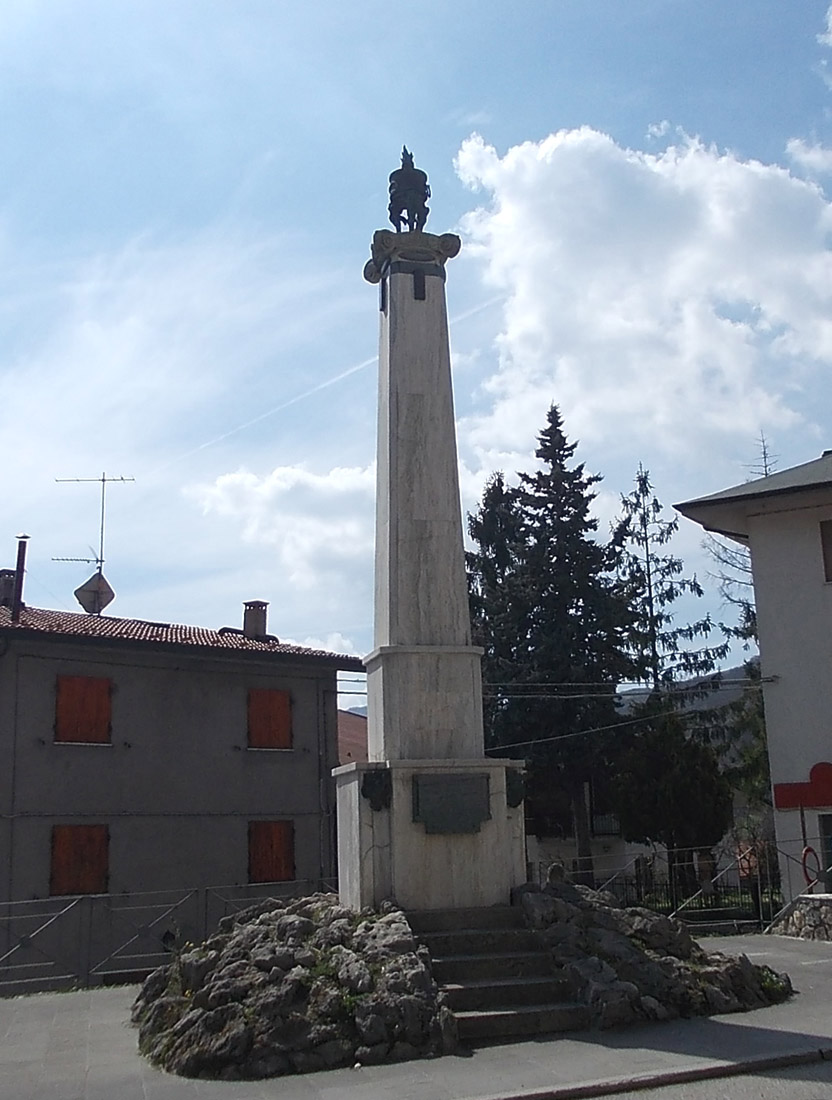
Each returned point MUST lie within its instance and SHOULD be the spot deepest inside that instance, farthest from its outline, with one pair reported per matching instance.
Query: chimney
(254, 618)
(6, 587)
(20, 570)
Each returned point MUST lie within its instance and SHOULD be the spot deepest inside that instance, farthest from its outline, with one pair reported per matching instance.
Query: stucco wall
(794, 614)
(177, 785)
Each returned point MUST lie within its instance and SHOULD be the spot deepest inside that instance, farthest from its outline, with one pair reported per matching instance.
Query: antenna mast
(95, 594)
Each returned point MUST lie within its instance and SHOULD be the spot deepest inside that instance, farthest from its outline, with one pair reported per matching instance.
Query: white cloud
(658, 130)
(825, 39)
(128, 357)
(129, 360)
(320, 525)
(816, 159)
(333, 643)
(681, 298)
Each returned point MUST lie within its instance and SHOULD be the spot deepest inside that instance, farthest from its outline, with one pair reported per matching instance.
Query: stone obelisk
(429, 821)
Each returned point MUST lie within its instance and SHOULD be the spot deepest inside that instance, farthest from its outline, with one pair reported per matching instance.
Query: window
(826, 546)
(82, 709)
(604, 820)
(269, 719)
(80, 859)
(271, 851)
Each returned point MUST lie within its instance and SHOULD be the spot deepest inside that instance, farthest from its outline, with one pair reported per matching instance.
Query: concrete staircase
(497, 975)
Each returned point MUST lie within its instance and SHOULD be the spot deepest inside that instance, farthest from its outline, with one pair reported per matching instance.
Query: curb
(714, 1071)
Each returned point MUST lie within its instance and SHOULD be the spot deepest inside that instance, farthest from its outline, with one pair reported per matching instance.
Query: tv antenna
(95, 594)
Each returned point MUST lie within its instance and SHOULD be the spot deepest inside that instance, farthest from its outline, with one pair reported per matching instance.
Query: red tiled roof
(71, 624)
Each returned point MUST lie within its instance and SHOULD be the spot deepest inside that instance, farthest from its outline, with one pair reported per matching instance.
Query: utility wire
(597, 729)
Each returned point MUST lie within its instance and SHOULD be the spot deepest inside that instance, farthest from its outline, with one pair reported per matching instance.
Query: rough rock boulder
(633, 964)
(292, 987)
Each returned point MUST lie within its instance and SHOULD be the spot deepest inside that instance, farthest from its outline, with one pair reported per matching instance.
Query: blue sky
(187, 195)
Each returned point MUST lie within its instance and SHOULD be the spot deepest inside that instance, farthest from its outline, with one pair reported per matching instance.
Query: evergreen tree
(749, 770)
(744, 728)
(668, 786)
(554, 621)
(661, 646)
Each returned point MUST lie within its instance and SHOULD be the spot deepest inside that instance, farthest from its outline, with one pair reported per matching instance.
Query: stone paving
(80, 1046)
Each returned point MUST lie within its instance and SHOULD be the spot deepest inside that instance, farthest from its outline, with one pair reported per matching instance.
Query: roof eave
(335, 661)
(723, 517)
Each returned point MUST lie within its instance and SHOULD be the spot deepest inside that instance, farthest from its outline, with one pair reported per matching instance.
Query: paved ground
(808, 1082)
(79, 1046)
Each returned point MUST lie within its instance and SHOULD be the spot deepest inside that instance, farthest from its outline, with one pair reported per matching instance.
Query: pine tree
(554, 621)
(661, 646)
(744, 727)
(668, 788)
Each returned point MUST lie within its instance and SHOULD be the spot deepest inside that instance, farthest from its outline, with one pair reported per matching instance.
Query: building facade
(140, 756)
(786, 521)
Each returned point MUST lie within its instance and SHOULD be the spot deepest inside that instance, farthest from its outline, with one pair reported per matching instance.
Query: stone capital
(418, 248)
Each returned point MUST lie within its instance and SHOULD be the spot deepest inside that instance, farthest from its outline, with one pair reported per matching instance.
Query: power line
(596, 729)
(554, 693)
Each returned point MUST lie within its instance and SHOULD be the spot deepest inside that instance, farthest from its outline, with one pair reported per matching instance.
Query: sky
(187, 195)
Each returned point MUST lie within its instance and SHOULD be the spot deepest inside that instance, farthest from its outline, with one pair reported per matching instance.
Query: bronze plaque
(451, 803)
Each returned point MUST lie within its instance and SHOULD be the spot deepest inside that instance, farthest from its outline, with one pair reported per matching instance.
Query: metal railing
(711, 889)
(104, 939)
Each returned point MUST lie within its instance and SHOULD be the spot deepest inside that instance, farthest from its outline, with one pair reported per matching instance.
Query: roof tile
(71, 624)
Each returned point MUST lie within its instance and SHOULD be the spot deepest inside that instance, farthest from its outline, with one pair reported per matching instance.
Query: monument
(429, 821)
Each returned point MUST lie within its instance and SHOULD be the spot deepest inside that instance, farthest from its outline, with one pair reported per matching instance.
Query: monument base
(430, 834)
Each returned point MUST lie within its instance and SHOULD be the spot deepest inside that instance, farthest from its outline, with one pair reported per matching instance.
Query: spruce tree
(744, 720)
(668, 785)
(554, 621)
(665, 650)
(668, 788)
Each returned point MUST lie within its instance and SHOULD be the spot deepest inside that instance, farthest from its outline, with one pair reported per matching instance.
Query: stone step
(470, 996)
(480, 941)
(513, 964)
(449, 920)
(497, 975)
(499, 1023)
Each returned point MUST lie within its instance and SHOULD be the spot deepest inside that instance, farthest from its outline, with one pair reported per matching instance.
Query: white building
(786, 521)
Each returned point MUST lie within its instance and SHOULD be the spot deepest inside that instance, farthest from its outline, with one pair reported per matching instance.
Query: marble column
(430, 821)
(423, 677)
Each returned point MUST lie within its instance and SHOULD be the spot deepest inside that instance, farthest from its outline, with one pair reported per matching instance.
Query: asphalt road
(813, 1082)
(79, 1046)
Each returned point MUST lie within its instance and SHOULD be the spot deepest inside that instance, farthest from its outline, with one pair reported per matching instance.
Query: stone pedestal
(387, 846)
(430, 821)
(446, 723)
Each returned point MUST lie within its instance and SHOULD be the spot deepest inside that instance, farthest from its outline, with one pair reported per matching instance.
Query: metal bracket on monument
(377, 788)
(451, 803)
(515, 787)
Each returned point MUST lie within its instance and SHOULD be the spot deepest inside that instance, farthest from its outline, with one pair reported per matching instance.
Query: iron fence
(729, 887)
(103, 939)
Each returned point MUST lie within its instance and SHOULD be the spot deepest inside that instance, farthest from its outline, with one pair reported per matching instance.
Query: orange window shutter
(80, 859)
(271, 851)
(82, 709)
(269, 719)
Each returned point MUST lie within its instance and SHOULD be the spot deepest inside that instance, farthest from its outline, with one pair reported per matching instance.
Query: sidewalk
(79, 1046)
